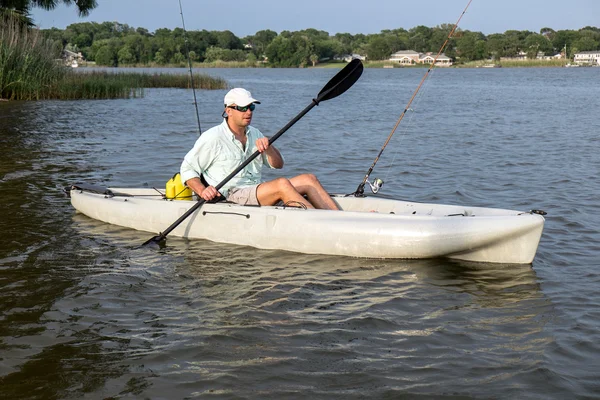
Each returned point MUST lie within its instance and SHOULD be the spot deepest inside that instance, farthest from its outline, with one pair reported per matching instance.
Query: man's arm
(273, 155)
(207, 193)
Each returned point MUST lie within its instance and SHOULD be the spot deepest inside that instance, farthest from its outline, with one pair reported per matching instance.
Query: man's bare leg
(309, 185)
(280, 189)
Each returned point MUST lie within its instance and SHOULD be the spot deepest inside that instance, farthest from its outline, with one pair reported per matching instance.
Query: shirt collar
(228, 131)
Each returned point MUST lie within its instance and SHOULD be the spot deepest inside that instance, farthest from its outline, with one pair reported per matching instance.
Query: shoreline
(374, 64)
(332, 66)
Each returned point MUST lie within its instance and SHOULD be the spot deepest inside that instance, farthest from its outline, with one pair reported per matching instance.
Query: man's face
(239, 117)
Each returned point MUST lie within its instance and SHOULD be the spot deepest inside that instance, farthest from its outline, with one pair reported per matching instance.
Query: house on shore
(411, 57)
(72, 59)
(587, 58)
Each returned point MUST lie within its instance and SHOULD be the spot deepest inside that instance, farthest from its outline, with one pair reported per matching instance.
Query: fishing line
(360, 190)
(187, 50)
(409, 124)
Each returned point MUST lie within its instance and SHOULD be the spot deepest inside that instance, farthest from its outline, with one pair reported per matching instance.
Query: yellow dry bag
(176, 190)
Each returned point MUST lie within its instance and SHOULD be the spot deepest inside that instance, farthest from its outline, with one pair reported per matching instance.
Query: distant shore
(340, 64)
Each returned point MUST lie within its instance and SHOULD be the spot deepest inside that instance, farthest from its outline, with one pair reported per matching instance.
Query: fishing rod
(187, 50)
(377, 183)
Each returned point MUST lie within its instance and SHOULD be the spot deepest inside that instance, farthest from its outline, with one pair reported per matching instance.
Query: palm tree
(21, 9)
(314, 59)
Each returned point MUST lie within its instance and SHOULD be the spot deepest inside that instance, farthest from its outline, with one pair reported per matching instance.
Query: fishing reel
(375, 185)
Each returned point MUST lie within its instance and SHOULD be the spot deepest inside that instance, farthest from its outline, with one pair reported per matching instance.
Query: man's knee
(283, 184)
(309, 179)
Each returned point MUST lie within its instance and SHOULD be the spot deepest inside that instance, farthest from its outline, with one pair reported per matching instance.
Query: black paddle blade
(342, 81)
(159, 241)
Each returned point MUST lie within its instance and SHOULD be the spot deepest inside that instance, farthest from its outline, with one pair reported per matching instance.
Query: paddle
(341, 82)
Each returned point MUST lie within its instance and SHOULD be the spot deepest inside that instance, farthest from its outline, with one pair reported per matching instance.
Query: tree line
(116, 44)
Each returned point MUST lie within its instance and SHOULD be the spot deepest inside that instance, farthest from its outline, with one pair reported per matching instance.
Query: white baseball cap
(239, 97)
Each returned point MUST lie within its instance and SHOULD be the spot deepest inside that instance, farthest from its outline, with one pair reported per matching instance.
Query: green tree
(536, 43)
(105, 57)
(439, 34)
(55, 35)
(260, 41)
(143, 32)
(159, 57)
(293, 51)
(22, 8)
(585, 44)
(314, 59)
(213, 54)
(419, 38)
(564, 38)
(495, 45)
(512, 43)
(82, 40)
(466, 46)
(251, 59)
(548, 32)
(178, 58)
(227, 40)
(125, 56)
(378, 49)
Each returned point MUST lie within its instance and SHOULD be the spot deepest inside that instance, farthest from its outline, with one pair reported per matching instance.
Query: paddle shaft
(243, 165)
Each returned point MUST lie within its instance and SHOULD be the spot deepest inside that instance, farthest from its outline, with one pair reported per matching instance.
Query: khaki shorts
(245, 195)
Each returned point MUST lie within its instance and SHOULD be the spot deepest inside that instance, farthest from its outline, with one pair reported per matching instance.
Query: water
(86, 313)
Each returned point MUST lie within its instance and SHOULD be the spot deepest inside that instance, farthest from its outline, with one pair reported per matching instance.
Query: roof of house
(441, 56)
(405, 53)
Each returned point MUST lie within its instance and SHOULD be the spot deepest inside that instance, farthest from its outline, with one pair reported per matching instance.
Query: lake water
(86, 313)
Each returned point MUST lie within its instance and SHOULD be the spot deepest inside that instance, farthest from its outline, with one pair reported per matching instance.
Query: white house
(587, 57)
(442, 61)
(72, 59)
(411, 57)
(405, 57)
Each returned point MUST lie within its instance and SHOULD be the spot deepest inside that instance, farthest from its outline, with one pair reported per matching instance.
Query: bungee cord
(376, 185)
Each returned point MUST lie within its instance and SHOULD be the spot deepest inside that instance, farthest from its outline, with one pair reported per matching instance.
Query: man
(223, 148)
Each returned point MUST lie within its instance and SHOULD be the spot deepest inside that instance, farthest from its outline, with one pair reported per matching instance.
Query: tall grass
(532, 63)
(27, 66)
(157, 80)
(31, 69)
(516, 63)
(120, 85)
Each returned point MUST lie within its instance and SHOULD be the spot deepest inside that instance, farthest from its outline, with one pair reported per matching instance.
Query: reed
(27, 62)
(124, 85)
(532, 63)
(31, 69)
(158, 80)
(515, 63)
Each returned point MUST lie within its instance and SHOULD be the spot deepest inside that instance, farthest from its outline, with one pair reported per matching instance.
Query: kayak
(367, 226)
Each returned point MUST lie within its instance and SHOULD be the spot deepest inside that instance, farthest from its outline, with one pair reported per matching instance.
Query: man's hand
(209, 193)
(262, 144)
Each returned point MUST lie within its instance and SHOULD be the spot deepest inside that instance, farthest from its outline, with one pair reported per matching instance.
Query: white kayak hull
(367, 227)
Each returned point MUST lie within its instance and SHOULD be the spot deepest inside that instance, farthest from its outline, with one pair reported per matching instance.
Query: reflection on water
(214, 318)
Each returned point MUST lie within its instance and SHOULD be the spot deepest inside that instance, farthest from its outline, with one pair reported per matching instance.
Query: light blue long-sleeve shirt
(217, 153)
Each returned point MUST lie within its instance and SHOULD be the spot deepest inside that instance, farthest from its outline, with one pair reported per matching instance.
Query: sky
(245, 18)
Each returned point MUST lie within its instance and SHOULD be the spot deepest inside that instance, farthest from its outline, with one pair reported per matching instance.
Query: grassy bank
(31, 69)
(516, 63)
